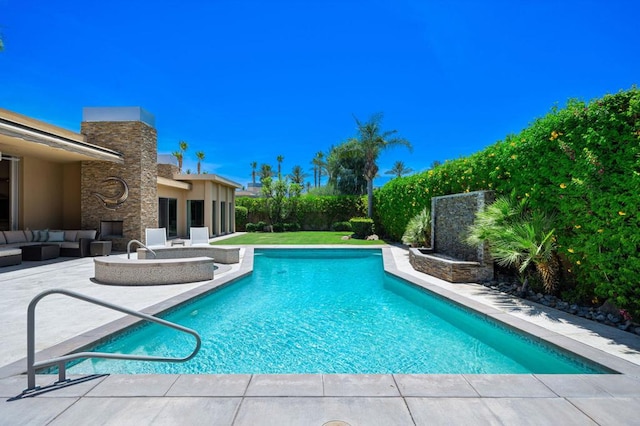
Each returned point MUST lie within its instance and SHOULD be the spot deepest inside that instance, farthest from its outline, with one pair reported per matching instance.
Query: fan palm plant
(518, 237)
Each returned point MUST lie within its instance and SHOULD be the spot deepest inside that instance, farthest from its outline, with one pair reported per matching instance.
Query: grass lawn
(292, 238)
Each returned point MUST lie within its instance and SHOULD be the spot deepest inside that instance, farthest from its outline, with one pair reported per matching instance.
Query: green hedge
(581, 163)
(241, 217)
(314, 213)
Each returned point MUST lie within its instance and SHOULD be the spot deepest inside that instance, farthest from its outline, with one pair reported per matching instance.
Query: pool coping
(407, 399)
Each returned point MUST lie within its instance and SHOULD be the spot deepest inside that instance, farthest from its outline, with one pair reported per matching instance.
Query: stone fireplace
(110, 229)
(122, 198)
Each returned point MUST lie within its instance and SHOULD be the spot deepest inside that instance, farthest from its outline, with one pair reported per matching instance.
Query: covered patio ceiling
(21, 136)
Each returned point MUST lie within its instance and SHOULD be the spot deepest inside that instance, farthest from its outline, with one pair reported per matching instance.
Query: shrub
(251, 227)
(362, 227)
(341, 226)
(315, 213)
(291, 227)
(418, 232)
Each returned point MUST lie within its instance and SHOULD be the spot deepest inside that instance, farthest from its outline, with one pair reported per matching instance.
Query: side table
(100, 248)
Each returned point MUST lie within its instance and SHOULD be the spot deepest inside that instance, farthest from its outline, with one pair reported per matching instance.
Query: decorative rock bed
(223, 255)
(145, 272)
(604, 314)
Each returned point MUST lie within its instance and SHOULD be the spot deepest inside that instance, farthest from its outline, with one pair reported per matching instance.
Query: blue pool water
(331, 311)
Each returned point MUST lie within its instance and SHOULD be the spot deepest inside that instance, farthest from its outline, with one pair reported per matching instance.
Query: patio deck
(300, 399)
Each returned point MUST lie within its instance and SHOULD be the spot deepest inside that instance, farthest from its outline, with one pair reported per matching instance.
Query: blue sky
(247, 81)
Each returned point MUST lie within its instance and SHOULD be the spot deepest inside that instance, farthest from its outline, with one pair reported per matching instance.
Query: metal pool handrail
(61, 361)
(141, 245)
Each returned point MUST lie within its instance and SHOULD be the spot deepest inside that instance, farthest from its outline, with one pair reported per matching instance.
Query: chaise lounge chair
(155, 237)
(199, 236)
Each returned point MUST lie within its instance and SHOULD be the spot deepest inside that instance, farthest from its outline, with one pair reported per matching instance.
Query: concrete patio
(301, 399)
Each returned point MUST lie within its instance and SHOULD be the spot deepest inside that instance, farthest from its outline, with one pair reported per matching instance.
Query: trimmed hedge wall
(314, 213)
(581, 163)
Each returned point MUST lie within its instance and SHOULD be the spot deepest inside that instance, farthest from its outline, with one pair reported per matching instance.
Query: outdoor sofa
(73, 243)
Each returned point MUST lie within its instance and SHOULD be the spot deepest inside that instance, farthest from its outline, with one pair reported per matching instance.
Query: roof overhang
(173, 183)
(207, 177)
(22, 136)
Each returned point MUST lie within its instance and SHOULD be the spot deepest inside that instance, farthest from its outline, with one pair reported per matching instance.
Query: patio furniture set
(38, 245)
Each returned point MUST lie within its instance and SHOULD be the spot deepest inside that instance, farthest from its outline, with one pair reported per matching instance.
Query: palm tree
(518, 237)
(297, 175)
(372, 141)
(200, 157)
(318, 168)
(399, 169)
(279, 159)
(254, 166)
(265, 171)
(178, 155)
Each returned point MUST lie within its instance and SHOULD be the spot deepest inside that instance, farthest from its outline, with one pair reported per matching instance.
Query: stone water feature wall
(131, 132)
(449, 258)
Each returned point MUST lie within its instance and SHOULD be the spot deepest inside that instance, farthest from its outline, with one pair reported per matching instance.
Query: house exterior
(107, 177)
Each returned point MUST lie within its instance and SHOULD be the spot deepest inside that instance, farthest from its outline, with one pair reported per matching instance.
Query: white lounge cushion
(155, 237)
(199, 235)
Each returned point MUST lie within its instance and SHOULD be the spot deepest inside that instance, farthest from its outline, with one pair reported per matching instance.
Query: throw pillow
(56, 236)
(35, 235)
(44, 235)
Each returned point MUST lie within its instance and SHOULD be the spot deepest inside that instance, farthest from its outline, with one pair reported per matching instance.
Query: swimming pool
(332, 311)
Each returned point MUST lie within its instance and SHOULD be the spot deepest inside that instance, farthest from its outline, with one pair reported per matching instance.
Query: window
(168, 215)
(195, 213)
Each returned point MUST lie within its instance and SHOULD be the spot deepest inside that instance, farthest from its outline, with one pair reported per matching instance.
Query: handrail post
(31, 346)
(141, 245)
(61, 361)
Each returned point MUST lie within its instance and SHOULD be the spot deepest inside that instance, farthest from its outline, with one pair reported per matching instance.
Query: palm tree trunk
(370, 198)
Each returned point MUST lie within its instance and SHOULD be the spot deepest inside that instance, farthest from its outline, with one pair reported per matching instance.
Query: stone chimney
(120, 200)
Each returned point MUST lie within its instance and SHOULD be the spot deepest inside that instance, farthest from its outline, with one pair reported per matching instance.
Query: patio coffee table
(40, 252)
